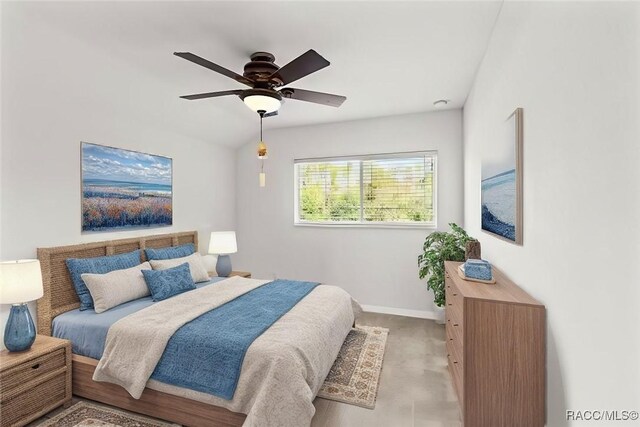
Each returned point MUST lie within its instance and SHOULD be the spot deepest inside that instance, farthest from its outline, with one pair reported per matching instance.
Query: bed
(317, 325)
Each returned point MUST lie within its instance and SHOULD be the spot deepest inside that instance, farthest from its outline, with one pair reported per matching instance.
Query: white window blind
(389, 189)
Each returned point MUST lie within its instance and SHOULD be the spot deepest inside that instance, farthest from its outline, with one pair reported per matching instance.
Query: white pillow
(116, 287)
(198, 270)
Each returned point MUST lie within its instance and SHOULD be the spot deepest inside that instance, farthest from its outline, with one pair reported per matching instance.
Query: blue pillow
(99, 265)
(169, 282)
(171, 252)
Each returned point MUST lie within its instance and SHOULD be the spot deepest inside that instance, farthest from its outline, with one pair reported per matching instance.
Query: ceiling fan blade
(271, 114)
(316, 97)
(307, 63)
(213, 94)
(214, 67)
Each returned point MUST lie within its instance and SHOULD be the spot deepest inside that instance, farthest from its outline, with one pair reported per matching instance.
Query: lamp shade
(223, 242)
(20, 281)
(264, 103)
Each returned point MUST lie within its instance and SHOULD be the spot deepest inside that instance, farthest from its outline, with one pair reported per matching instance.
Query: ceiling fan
(265, 79)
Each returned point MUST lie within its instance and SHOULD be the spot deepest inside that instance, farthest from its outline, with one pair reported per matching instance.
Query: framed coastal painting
(123, 189)
(501, 188)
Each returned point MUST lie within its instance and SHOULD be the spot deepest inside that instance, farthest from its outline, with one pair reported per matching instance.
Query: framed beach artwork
(123, 189)
(501, 189)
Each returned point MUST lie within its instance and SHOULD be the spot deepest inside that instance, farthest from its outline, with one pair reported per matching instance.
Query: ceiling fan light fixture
(260, 102)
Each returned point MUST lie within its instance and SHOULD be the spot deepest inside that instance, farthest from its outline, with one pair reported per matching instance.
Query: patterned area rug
(355, 374)
(85, 414)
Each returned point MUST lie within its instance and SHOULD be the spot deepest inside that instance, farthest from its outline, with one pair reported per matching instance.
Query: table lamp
(223, 243)
(20, 282)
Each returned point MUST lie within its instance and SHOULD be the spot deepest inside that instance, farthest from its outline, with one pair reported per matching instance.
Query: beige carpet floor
(414, 389)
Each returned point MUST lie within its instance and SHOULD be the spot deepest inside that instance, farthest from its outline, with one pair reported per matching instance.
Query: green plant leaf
(439, 247)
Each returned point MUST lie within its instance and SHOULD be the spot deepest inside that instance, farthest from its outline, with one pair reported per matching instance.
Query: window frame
(361, 223)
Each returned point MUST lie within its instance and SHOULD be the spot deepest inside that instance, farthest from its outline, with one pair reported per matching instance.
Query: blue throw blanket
(206, 354)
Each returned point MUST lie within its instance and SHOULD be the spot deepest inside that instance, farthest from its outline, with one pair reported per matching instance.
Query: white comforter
(282, 370)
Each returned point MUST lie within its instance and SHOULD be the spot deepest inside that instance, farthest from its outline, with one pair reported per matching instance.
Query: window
(386, 189)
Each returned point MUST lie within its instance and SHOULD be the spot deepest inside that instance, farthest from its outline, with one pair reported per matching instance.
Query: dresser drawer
(454, 324)
(454, 311)
(453, 297)
(455, 351)
(45, 396)
(454, 335)
(31, 370)
(454, 321)
(455, 369)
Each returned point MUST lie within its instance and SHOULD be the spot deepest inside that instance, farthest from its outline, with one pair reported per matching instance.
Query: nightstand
(241, 274)
(34, 382)
(233, 273)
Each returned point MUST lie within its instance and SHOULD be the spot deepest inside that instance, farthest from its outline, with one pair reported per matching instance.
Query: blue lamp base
(20, 332)
(223, 266)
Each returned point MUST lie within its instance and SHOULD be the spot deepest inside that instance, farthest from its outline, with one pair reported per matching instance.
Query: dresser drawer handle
(449, 304)
(455, 361)
(455, 295)
(455, 324)
(36, 366)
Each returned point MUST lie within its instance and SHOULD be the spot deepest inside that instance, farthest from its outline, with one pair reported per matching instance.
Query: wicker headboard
(59, 293)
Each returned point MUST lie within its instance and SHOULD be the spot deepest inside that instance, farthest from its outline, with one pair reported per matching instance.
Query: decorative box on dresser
(35, 381)
(495, 350)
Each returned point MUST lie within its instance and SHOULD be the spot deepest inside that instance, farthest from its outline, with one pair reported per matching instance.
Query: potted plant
(441, 246)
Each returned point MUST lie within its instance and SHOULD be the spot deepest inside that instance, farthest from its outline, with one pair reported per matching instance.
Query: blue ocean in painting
(133, 187)
(499, 204)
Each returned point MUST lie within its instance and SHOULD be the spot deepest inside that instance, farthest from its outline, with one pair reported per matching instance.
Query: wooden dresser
(496, 351)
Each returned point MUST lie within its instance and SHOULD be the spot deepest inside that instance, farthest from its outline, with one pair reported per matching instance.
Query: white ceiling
(387, 58)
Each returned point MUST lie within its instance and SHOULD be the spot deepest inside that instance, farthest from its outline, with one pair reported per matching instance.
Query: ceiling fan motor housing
(260, 69)
(260, 92)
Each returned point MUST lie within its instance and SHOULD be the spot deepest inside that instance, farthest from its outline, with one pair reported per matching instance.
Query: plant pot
(439, 316)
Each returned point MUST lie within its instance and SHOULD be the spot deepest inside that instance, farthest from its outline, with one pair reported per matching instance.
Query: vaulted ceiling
(388, 58)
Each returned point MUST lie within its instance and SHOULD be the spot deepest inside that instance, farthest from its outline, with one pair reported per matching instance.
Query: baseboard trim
(421, 314)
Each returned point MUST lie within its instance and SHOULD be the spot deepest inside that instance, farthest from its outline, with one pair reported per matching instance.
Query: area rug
(85, 414)
(355, 374)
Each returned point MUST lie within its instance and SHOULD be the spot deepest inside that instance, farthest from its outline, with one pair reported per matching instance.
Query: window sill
(407, 226)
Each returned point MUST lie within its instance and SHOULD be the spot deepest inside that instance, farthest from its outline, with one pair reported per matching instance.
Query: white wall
(573, 67)
(377, 266)
(58, 91)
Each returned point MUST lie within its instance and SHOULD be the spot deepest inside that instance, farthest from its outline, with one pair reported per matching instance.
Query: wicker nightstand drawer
(31, 370)
(34, 382)
(45, 397)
